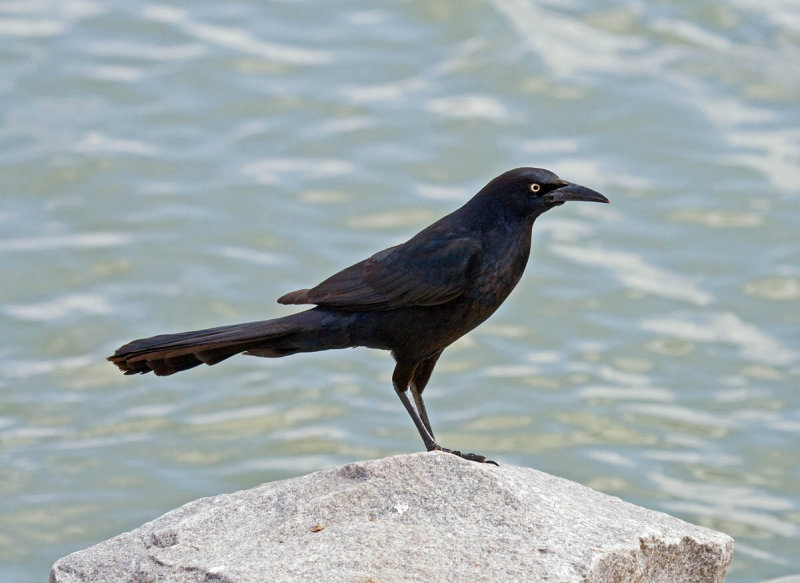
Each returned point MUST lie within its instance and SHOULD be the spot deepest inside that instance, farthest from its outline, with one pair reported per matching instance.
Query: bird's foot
(473, 457)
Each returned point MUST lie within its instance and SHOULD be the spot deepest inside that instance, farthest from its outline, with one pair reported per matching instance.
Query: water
(166, 167)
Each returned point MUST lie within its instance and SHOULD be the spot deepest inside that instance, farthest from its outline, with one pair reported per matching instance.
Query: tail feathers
(170, 353)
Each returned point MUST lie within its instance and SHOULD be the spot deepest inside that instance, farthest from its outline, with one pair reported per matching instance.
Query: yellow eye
(535, 187)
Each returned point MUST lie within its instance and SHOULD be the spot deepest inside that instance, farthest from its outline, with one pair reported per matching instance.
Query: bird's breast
(501, 269)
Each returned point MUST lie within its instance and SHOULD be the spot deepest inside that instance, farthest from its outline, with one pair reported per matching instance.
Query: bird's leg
(417, 394)
(419, 380)
(400, 379)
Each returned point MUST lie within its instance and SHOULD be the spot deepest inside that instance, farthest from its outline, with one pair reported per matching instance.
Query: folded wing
(424, 273)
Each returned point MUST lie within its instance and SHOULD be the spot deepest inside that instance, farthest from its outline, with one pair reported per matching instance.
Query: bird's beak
(574, 192)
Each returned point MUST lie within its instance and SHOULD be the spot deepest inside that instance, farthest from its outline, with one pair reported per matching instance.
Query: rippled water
(166, 167)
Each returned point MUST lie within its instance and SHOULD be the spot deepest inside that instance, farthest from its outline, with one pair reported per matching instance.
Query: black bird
(414, 299)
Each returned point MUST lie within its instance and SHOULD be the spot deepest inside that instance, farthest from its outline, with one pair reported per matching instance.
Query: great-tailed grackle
(414, 299)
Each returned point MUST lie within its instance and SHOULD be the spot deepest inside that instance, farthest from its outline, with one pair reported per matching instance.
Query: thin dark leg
(419, 380)
(400, 379)
(421, 408)
(427, 438)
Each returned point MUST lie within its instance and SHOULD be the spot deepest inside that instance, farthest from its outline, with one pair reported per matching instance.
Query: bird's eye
(535, 187)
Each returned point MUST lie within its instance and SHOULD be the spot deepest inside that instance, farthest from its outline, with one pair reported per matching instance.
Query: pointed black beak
(574, 192)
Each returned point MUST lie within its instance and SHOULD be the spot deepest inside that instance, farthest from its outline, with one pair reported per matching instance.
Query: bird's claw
(473, 457)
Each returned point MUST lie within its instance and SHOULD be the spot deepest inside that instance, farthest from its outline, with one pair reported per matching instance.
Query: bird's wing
(416, 273)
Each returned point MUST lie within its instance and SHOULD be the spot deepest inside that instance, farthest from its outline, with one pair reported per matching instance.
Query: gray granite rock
(419, 517)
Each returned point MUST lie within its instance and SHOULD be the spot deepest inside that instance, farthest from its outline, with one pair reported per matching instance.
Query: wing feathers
(426, 274)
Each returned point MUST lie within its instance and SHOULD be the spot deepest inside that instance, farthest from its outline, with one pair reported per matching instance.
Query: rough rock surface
(419, 517)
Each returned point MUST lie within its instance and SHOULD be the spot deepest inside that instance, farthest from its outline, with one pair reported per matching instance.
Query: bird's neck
(503, 261)
(483, 214)
(517, 243)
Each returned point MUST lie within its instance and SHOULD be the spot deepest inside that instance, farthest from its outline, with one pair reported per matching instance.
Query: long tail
(166, 354)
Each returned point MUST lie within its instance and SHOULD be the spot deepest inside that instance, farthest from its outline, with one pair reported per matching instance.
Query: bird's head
(528, 192)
